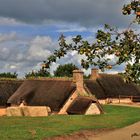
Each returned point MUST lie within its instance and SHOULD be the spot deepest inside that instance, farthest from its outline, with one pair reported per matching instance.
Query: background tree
(8, 75)
(40, 73)
(65, 70)
(124, 45)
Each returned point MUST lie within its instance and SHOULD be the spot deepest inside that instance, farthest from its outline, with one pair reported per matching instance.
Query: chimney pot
(78, 78)
(94, 74)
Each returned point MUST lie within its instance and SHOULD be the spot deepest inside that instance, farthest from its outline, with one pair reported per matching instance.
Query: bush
(65, 70)
(40, 73)
(8, 75)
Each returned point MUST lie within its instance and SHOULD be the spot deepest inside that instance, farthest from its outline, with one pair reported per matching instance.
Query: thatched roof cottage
(110, 86)
(68, 96)
(63, 96)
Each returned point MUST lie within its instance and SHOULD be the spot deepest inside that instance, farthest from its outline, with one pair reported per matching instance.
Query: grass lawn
(27, 128)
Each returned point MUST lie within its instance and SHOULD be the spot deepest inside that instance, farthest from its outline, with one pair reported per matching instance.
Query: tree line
(61, 71)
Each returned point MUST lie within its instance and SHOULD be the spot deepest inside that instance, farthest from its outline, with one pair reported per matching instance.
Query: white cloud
(22, 55)
(53, 67)
(8, 37)
(40, 48)
(9, 21)
(13, 66)
(71, 28)
(4, 53)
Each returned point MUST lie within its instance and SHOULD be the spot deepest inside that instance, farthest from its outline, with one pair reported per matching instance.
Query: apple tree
(124, 46)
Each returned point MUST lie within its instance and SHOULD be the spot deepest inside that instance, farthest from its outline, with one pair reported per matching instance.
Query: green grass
(27, 128)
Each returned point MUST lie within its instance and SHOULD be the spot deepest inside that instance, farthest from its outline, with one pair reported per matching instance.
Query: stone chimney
(94, 74)
(78, 78)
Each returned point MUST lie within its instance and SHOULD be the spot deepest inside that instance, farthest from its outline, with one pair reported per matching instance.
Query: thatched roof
(95, 88)
(52, 93)
(109, 85)
(80, 105)
(55, 92)
(7, 88)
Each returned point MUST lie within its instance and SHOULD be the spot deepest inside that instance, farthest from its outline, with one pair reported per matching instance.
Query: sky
(29, 29)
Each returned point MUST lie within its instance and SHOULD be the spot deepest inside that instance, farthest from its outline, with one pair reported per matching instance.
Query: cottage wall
(93, 109)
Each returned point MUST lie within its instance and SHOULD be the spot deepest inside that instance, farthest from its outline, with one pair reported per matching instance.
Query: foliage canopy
(8, 75)
(40, 73)
(123, 45)
(65, 70)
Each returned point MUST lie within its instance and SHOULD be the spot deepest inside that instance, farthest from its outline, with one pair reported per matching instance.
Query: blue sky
(29, 29)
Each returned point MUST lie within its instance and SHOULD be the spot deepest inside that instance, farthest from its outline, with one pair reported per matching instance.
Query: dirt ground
(131, 132)
(82, 135)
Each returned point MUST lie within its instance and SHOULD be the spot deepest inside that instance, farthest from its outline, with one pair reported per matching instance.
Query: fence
(132, 98)
(120, 99)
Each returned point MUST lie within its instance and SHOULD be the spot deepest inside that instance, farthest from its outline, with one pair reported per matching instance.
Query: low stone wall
(115, 101)
(33, 111)
(2, 111)
(14, 111)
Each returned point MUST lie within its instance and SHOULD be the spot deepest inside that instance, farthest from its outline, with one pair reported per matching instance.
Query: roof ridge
(51, 79)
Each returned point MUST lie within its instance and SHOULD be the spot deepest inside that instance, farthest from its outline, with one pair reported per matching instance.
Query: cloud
(84, 12)
(4, 53)
(8, 37)
(24, 55)
(9, 21)
(40, 48)
(28, 29)
(71, 28)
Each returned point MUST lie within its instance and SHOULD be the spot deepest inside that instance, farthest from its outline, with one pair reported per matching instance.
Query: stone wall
(33, 111)
(2, 111)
